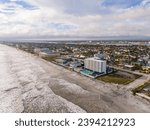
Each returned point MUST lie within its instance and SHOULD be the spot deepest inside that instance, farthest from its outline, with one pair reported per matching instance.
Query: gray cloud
(74, 18)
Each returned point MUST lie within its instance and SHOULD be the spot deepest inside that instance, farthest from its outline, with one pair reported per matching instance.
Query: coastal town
(118, 62)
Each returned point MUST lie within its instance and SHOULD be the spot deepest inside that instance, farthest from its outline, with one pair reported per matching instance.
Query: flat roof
(94, 59)
(129, 66)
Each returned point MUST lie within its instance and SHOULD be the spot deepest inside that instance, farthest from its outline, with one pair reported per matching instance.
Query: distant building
(146, 69)
(99, 56)
(95, 65)
(45, 52)
(61, 61)
(129, 67)
(75, 64)
(148, 64)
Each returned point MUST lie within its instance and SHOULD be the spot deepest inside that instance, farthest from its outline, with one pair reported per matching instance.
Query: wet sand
(30, 84)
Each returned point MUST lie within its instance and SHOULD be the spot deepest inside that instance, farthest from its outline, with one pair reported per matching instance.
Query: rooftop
(95, 59)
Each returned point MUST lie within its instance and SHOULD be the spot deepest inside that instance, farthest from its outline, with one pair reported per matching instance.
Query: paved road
(30, 84)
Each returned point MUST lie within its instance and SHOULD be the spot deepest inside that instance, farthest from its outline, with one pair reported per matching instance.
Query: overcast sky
(74, 18)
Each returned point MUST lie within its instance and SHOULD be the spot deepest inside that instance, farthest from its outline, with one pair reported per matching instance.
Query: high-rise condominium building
(95, 64)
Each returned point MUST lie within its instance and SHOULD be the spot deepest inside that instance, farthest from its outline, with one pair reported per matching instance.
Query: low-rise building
(146, 69)
(61, 61)
(75, 64)
(129, 67)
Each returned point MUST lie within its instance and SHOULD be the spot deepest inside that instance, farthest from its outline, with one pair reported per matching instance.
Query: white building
(100, 56)
(148, 63)
(75, 64)
(95, 65)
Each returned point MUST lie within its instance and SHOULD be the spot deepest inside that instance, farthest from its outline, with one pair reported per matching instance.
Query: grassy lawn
(140, 88)
(117, 79)
(146, 84)
(50, 58)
